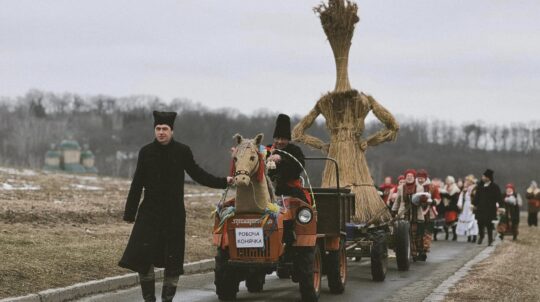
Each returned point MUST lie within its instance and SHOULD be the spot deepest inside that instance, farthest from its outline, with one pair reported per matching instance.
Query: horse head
(248, 162)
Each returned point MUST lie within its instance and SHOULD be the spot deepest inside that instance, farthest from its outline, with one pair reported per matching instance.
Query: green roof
(53, 153)
(87, 154)
(69, 145)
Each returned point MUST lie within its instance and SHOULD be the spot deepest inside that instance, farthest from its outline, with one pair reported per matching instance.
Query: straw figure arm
(299, 131)
(392, 127)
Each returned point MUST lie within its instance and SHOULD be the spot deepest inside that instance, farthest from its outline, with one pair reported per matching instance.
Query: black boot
(490, 238)
(473, 239)
(435, 232)
(454, 238)
(446, 234)
(148, 291)
(480, 240)
(469, 238)
(167, 293)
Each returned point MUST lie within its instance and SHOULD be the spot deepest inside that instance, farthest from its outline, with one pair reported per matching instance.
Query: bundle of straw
(338, 19)
(345, 110)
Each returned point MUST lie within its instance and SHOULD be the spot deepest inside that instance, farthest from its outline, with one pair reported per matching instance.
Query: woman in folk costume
(450, 196)
(393, 195)
(387, 188)
(439, 208)
(467, 225)
(533, 198)
(412, 203)
(511, 204)
(422, 178)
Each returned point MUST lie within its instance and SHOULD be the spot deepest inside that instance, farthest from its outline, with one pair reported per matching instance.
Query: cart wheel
(225, 278)
(402, 245)
(308, 270)
(379, 256)
(255, 281)
(336, 269)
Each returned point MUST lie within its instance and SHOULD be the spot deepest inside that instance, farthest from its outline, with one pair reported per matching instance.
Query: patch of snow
(24, 172)
(23, 187)
(79, 177)
(85, 187)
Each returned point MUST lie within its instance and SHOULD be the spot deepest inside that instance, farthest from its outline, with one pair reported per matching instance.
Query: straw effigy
(345, 110)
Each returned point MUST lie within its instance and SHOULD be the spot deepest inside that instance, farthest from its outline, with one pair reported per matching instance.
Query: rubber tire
(225, 278)
(336, 269)
(402, 241)
(283, 272)
(308, 269)
(379, 256)
(255, 281)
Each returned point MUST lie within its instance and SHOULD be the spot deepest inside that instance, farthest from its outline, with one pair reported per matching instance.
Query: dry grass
(70, 230)
(512, 273)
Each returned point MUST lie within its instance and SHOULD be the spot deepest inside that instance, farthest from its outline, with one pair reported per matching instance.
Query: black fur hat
(164, 118)
(489, 174)
(283, 127)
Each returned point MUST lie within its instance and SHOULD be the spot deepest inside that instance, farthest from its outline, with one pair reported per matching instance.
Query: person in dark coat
(286, 173)
(533, 199)
(158, 235)
(488, 195)
(511, 204)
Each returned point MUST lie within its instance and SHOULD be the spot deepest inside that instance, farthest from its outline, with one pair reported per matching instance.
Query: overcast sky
(456, 60)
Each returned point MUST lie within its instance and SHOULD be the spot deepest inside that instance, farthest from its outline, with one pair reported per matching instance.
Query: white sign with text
(249, 237)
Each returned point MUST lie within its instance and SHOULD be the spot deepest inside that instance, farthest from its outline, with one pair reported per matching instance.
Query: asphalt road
(445, 258)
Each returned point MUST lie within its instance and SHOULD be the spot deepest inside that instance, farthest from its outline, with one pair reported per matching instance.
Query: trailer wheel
(308, 269)
(336, 269)
(402, 245)
(379, 256)
(255, 281)
(225, 278)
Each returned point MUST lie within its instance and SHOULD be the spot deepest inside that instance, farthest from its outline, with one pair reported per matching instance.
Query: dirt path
(511, 273)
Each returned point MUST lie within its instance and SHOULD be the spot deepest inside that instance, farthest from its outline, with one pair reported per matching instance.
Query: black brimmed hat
(164, 118)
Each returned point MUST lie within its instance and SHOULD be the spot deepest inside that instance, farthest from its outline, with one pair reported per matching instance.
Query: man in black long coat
(158, 236)
(488, 195)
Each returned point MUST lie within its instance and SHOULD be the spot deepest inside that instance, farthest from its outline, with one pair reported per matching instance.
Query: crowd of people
(467, 207)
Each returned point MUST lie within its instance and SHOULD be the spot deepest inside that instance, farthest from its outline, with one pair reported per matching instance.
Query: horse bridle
(245, 172)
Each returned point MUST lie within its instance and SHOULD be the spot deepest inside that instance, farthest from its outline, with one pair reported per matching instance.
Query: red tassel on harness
(260, 172)
(233, 168)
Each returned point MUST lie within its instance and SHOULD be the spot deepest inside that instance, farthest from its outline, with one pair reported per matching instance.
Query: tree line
(115, 128)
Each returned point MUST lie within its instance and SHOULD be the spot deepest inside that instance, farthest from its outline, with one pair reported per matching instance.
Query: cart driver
(285, 174)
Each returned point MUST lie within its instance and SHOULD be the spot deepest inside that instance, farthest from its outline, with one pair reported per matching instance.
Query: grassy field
(59, 229)
(511, 273)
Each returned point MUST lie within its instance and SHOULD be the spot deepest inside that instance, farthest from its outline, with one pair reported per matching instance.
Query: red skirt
(450, 216)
